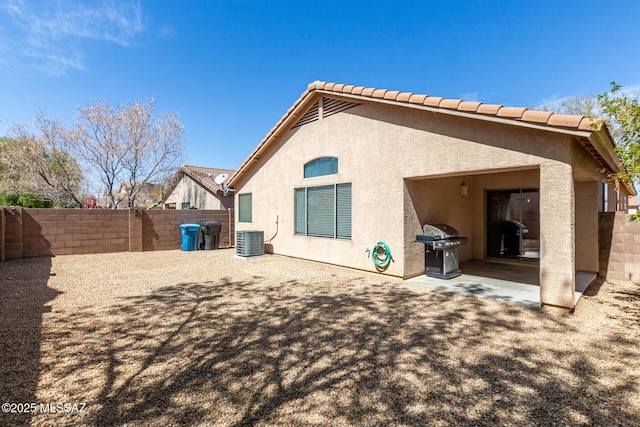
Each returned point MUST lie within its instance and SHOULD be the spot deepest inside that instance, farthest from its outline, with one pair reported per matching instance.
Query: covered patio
(511, 282)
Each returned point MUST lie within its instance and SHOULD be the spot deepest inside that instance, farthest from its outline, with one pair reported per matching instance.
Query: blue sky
(232, 68)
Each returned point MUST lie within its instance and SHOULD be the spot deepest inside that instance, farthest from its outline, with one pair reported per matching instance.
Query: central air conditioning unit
(249, 243)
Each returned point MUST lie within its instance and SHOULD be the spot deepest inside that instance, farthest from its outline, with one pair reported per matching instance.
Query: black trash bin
(210, 234)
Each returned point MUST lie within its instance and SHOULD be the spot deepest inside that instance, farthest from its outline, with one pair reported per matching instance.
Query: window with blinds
(323, 211)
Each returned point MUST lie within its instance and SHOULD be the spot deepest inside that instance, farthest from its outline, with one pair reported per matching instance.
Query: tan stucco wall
(588, 201)
(557, 235)
(189, 190)
(378, 147)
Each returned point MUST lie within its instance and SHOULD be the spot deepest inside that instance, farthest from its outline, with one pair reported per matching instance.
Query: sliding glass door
(513, 224)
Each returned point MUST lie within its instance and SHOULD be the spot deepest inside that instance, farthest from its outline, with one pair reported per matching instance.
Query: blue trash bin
(190, 234)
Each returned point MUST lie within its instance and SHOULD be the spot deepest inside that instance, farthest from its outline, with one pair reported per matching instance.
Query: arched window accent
(321, 166)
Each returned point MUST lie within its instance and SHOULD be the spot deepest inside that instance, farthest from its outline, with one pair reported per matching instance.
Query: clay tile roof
(470, 107)
(516, 114)
(404, 96)
(432, 101)
(590, 124)
(451, 104)
(417, 99)
(348, 88)
(368, 91)
(565, 120)
(491, 109)
(379, 93)
(536, 116)
(202, 175)
(511, 112)
(391, 94)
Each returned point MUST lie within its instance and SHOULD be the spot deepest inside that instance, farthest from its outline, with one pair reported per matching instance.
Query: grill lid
(439, 231)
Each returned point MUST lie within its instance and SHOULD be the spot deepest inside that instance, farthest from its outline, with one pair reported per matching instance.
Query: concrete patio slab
(508, 282)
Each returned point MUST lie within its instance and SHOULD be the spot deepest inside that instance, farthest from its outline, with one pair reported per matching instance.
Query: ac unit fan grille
(249, 243)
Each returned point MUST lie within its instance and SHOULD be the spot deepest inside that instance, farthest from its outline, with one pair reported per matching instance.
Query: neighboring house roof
(596, 136)
(202, 175)
(633, 202)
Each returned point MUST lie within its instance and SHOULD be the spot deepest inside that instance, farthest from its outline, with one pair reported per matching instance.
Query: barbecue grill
(441, 242)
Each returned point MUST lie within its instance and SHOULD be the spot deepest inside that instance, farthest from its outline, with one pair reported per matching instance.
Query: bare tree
(154, 148)
(130, 145)
(586, 106)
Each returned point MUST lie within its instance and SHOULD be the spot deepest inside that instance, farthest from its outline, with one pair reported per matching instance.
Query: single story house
(195, 187)
(349, 166)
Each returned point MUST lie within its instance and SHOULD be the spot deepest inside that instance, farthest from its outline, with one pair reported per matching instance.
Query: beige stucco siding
(390, 155)
(588, 204)
(557, 235)
(190, 191)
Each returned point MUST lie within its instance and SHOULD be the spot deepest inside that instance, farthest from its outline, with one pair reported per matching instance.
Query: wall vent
(249, 243)
(332, 106)
(311, 116)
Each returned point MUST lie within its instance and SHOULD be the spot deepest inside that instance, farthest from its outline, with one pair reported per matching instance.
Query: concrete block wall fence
(28, 233)
(619, 246)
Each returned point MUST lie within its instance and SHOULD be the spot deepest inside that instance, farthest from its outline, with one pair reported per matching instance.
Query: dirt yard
(201, 338)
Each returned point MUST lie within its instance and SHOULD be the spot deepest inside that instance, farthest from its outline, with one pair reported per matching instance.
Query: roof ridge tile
(511, 112)
(391, 94)
(489, 109)
(404, 96)
(432, 101)
(417, 99)
(347, 88)
(451, 104)
(469, 106)
(565, 120)
(368, 91)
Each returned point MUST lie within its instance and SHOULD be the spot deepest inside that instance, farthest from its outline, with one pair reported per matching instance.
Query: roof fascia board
(173, 183)
(284, 125)
(602, 143)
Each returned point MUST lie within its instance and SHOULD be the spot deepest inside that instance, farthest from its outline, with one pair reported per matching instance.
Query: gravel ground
(201, 338)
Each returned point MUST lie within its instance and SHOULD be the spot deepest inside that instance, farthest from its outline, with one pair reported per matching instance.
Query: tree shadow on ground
(244, 353)
(624, 298)
(23, 297)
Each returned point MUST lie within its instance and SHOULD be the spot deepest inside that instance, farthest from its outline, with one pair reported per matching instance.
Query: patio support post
(557, 235)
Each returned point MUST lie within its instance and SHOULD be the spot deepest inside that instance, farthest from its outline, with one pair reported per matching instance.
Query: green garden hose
(381, 256)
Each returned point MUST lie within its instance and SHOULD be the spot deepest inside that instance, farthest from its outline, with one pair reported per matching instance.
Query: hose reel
(381, 256)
